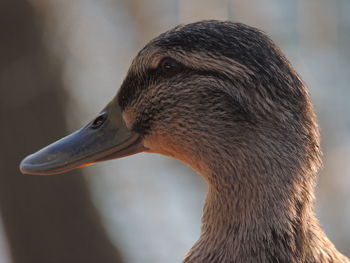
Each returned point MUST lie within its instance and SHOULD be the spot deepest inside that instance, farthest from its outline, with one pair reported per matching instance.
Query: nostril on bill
(99, 121)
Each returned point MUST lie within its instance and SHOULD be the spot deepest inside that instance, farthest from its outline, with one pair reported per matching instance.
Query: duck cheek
(175, 148)
(155, 143)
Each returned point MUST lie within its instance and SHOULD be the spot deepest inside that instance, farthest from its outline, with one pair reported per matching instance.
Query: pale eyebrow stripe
(150, 58)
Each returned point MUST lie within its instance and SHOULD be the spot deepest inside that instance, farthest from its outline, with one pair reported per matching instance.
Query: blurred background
(62, 61)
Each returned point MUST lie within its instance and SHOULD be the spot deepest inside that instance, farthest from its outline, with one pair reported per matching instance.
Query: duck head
(203, 93)
(221, 97)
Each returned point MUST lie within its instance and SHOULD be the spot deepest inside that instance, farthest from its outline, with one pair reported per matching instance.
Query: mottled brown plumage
(222, 97)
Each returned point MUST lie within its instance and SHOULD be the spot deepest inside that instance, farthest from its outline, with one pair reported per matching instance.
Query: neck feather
(261, 217)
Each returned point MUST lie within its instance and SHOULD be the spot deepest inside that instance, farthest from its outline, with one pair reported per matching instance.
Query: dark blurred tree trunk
(47, 219)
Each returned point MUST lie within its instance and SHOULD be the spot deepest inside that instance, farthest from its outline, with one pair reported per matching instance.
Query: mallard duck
(222, 98)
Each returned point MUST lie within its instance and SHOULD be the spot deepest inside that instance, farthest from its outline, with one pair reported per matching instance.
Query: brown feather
(235, 110)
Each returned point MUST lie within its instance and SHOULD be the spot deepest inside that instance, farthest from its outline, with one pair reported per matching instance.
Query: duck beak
(105, 138)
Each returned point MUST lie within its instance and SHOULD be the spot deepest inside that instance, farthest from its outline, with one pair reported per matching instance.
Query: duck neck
(256, 217)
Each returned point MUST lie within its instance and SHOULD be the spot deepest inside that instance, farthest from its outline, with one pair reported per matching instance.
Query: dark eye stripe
(134, 84)
(215, 74)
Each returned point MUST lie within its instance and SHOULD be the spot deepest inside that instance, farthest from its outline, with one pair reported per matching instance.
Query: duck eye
(99, 121)
(168, 64)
